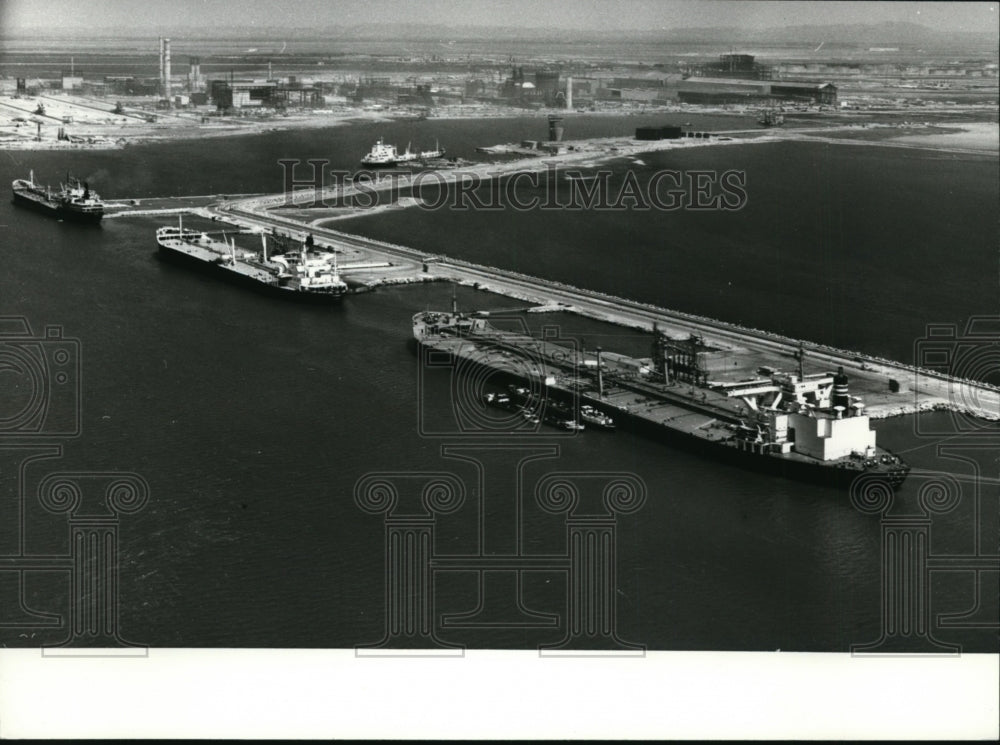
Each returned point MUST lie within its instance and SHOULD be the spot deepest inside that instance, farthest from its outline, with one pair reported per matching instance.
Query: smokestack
(166, 68)
(194, 73)
(162, 86)
(600, 375)
(269, 75)
(569, 93)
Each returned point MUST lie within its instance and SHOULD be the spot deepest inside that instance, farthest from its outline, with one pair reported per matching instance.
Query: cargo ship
(387, 156)
(796, 425)
(74, 200)
(437, 152)
(304, 274)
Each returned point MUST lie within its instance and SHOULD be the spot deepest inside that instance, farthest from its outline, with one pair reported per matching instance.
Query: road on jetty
(919, 389)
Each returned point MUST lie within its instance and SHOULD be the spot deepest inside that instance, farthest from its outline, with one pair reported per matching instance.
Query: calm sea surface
(253, 420)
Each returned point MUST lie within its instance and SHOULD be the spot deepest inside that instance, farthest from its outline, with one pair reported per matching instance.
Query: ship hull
(209, 268)
(804, 471)
(44, 206)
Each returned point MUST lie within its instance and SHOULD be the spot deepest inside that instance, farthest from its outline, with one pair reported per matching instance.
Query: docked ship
(304, 274)
(437, 152)
(771, 118)
(798, 425)
(388, 156)
(75, 200)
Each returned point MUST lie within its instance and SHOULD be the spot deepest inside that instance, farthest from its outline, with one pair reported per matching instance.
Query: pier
(889, 388)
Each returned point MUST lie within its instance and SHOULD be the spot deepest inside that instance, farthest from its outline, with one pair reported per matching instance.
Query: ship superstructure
(794, 424)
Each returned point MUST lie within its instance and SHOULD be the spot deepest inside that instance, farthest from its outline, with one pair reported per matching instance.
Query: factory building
(824, 93)
(658, 133)
(735, 90)
(131, 86)
(195, 81)
(741, 66)
(242, 94)
(653, 97)
(239, 94)
(547, 88)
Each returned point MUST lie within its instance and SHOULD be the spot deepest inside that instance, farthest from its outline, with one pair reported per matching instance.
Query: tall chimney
(162, 86)
(569, 93)
(166, 68)
(600, 375)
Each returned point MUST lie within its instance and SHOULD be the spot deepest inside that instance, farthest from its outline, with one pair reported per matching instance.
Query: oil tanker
(304, 274)
(797, 425)
(74, 200)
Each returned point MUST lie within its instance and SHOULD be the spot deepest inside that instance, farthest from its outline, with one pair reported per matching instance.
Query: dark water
(252, 421)
(853, 246)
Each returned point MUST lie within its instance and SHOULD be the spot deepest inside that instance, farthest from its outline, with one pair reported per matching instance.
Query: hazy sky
(567, 14)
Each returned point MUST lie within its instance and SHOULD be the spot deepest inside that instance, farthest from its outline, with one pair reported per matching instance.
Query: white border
(492, 694)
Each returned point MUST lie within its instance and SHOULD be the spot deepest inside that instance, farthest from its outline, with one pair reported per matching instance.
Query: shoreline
(967, 138)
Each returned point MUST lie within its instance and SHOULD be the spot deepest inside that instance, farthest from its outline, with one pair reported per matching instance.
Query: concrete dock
(371, 263)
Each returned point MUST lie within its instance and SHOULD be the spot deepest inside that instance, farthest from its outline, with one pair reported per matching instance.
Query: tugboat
(591, 416)
(74, 200)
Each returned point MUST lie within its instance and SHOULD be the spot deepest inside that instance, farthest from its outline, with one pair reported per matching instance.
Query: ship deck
(681, 408)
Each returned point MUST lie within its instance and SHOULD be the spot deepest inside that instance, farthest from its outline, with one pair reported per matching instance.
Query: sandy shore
(983, 136)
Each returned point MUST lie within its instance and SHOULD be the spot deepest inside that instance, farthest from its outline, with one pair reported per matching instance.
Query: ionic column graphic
(591, 625)
(409, 544)
(983, 561)
(500, 561)
(905, 550)
(93, 555)
(409, 587)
